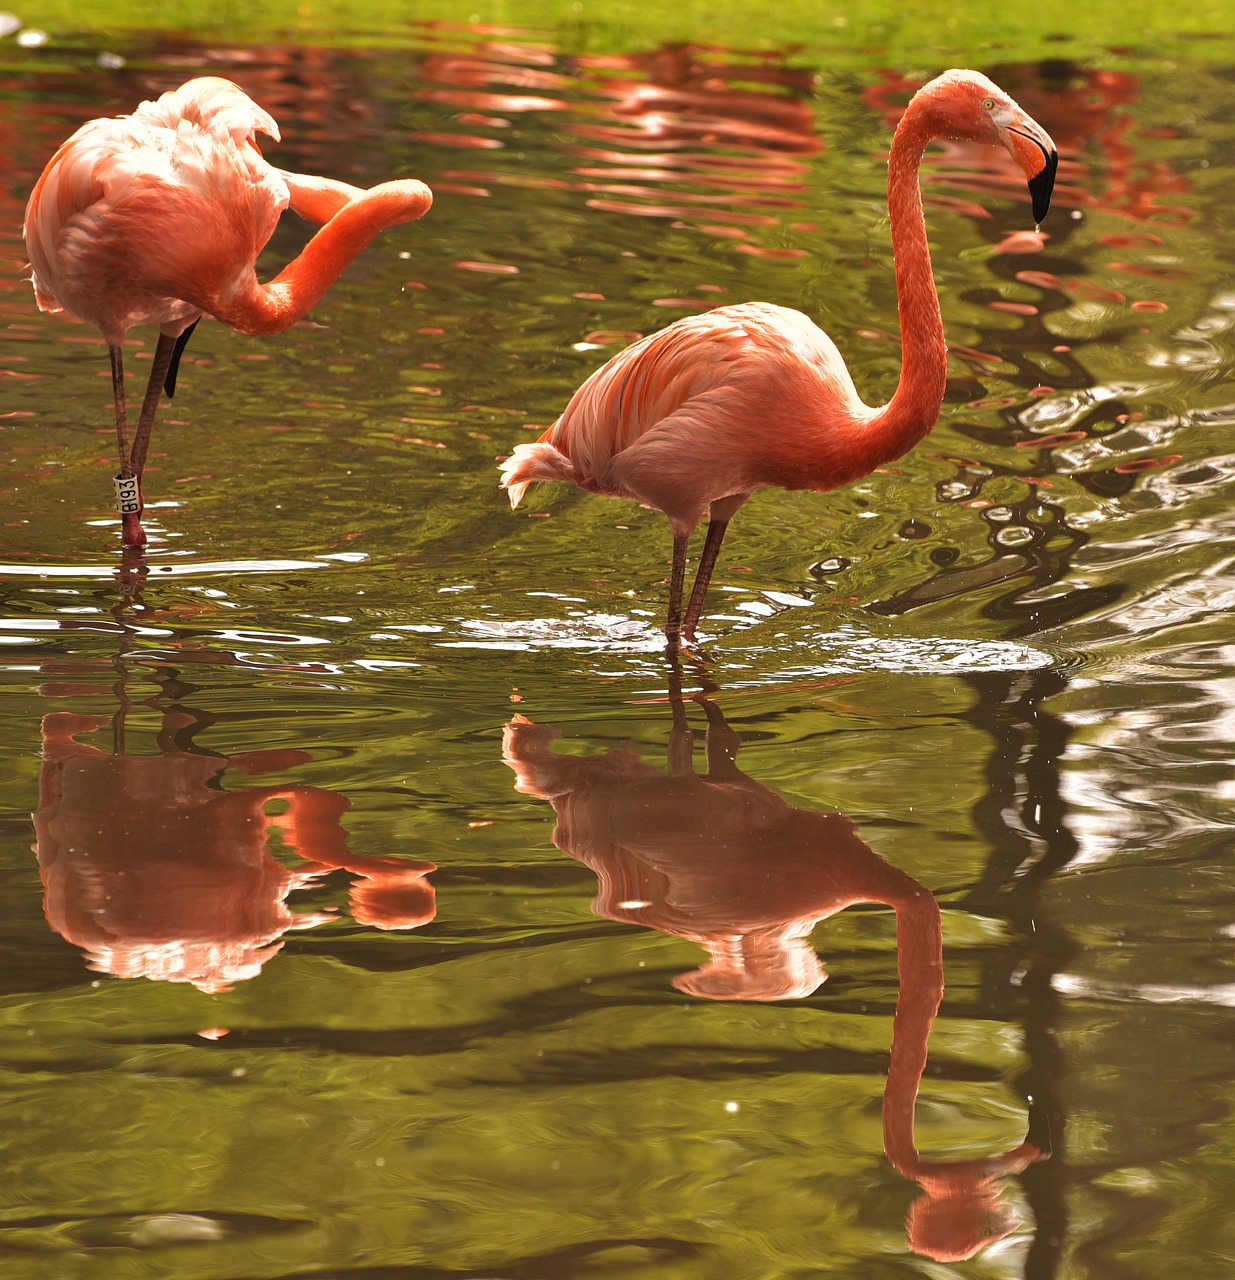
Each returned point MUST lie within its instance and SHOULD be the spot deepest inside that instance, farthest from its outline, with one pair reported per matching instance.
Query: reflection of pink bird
(158, 869)
(158, 218)
(718, 858)
(698, 416)
(723, 860)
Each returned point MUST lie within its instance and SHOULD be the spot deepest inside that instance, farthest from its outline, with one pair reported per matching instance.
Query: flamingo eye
(988, 104)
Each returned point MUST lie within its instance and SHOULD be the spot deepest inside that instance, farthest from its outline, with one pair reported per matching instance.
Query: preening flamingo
(695, 418)
(158, 217)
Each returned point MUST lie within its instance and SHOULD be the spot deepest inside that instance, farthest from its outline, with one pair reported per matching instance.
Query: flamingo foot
(131, 532)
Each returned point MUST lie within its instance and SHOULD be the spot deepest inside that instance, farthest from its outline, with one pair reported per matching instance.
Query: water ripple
(193, 568)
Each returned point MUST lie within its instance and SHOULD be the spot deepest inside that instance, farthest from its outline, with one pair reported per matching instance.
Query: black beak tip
(1041, 186)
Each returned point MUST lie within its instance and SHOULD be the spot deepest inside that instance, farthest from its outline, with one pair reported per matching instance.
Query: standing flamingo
(695, 418)
(158, 217)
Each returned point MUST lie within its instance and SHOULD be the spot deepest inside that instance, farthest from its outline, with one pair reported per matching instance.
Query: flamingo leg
(122, 418)
(703, 575)
(132, 533)
(681, 738)
(677, 583)
(722, 745)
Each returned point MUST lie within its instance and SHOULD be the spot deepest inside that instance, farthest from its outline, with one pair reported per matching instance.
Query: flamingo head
(967, 106)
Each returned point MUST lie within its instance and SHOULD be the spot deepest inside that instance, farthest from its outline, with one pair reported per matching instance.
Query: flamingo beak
(1035, 151)
(1042, 184)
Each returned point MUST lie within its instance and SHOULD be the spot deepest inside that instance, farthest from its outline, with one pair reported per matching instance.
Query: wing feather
(645, 384)
(93, 220)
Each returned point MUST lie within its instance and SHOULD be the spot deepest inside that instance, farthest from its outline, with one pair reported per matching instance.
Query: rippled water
(386, 910)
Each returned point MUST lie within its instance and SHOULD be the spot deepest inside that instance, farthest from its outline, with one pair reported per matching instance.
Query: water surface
(390, 908)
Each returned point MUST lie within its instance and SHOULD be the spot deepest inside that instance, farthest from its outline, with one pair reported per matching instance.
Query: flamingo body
(158, 217)
(693, 419)
(681, 418)
(106, 224)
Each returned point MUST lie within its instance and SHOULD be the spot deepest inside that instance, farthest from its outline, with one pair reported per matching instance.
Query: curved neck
(914, 408)
(262, 309)
(919, 959)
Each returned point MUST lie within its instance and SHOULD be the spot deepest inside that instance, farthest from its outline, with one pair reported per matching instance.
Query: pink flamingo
(158, 217)
(695, 418)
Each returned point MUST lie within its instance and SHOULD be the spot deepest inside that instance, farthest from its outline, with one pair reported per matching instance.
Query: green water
(438, 1026)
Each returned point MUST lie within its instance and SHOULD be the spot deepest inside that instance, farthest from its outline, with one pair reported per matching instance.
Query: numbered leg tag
(128, 499)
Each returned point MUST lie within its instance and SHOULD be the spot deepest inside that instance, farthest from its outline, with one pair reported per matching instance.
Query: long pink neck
(919, 960)
(262, 309)
(914, 408)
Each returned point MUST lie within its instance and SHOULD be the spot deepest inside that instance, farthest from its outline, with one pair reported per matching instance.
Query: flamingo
(158, 217)
(693, 419)
(156, 868)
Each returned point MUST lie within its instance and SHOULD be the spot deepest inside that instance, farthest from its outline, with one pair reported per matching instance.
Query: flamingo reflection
(722, 860)
(683, 132)
(155, 870)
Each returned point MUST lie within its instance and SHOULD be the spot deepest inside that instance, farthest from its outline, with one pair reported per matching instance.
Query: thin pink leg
(122, 419)
(677, 582)
(132, 533)
(703, 575)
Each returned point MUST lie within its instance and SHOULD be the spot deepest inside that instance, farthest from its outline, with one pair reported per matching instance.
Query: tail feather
(532, 462)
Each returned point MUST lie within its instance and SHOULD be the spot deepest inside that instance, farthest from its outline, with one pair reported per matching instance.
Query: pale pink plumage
(89, 216)
(693, 419)
(679, 419)
(158, 218)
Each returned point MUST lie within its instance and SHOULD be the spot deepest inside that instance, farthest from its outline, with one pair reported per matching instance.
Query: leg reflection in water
(722, 860)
